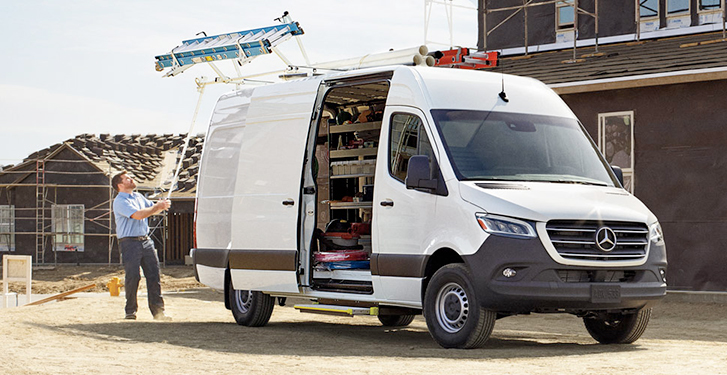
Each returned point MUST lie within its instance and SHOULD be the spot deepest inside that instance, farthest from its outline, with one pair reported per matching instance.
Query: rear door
(266, 208)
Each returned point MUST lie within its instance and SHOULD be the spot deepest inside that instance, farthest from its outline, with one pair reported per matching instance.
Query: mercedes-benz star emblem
(606, 239)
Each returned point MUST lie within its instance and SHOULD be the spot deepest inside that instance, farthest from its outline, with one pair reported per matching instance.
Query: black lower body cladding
(274, 260)
(216, 258)
(211, 257)
(539, 284)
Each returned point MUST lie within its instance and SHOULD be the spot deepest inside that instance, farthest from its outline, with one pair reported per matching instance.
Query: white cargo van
(399, 191)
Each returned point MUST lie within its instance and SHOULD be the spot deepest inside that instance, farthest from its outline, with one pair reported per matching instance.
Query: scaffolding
(46, 197)
(526, 4)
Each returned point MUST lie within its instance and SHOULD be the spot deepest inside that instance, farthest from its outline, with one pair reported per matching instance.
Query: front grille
(590, 276)
(577, 239)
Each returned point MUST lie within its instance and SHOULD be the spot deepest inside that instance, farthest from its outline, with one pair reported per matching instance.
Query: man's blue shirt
(125, 205)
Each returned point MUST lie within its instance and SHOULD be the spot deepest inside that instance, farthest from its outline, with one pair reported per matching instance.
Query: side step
(338, 310)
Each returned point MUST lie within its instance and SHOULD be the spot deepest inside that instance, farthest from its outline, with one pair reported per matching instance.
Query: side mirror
(619, 174)
(418, 174)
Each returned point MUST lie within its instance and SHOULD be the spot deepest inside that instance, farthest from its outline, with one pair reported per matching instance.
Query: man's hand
(158, 207)
(162, 205)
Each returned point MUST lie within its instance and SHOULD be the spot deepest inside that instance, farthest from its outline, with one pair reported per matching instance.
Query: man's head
(123, 183)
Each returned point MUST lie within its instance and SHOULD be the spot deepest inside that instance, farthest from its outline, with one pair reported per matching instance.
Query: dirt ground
(53, 280)
(87, 335)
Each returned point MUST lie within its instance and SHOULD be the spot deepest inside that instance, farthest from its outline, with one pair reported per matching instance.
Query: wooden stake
(61, 295)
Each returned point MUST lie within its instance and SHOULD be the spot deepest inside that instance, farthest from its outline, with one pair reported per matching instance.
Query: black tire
(251, 309)
(618, 328)
(453, 314)
(396, 320)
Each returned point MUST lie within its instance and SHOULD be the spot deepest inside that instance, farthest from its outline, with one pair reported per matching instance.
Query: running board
(338, 310)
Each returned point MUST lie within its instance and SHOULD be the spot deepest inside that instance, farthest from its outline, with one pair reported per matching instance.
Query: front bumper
(542, 285)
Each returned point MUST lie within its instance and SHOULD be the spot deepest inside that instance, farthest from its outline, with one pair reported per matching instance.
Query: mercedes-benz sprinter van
(465, 196)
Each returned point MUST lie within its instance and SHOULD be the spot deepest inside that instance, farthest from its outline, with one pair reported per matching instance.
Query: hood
(544, 201)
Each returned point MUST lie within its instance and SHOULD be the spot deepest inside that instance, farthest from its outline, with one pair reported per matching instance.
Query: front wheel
(618, 328)
(251, 309)
(453, 314)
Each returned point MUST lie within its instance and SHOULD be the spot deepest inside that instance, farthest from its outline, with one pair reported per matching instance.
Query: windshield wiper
(520, 179)
(579, 182)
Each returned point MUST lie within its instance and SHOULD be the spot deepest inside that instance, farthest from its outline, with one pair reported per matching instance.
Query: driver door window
(407, 138)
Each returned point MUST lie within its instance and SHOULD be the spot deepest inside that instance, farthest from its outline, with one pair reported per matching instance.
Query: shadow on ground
(316, 338)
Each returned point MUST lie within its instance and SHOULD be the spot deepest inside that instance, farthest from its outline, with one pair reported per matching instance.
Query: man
(131, 210)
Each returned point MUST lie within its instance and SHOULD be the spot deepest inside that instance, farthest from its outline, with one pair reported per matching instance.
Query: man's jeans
(141, 254)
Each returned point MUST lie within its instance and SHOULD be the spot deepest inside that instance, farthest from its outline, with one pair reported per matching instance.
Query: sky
(87, 66)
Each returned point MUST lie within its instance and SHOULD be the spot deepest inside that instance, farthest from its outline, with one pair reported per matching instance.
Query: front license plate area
(605, 293)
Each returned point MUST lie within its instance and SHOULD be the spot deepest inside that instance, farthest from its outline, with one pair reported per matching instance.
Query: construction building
(56, 205)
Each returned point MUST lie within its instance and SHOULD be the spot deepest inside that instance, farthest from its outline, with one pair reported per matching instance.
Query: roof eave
(645, 80)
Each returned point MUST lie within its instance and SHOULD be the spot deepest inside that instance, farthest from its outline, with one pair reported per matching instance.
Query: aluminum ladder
(240, 45)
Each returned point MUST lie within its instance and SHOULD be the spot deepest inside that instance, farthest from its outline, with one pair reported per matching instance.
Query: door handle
(387, 203)
(288, 202)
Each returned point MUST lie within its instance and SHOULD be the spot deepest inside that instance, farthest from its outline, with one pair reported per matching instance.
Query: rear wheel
(618, 328)
(396, 320)
(453, 314)
(252, 309)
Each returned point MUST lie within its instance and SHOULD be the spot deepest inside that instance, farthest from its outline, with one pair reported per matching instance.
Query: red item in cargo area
(338, 256)
(342, 238)
(342, 235)
(361, 228)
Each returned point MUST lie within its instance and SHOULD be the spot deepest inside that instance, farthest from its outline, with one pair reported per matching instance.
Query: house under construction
(57, 204)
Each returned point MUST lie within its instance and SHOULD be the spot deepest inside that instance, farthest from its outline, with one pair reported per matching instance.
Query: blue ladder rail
(252, 43)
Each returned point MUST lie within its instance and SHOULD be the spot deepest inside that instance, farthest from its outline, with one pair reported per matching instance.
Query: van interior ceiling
(346, 148)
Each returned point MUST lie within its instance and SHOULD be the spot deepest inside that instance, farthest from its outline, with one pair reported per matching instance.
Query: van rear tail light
(194, 225)
(505, 226)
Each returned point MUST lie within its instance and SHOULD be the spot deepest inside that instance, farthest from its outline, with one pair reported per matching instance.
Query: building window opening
(648, 8)
(7, 228)
(709, 4)
(616, 142)
(565, 14)
(677, 6)
(68, 227)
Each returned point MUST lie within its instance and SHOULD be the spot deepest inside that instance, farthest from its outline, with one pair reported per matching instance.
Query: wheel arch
(437, 260)
(228, 278)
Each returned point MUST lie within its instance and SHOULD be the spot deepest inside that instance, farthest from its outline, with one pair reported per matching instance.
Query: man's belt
(140, 238)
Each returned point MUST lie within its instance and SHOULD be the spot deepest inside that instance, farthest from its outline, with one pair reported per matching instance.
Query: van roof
(446, 88)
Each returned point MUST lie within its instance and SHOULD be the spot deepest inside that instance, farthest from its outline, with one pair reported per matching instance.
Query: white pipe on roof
(416, 55)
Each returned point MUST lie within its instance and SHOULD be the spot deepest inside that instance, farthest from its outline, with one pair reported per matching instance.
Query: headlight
(505, 226)
(655, 234)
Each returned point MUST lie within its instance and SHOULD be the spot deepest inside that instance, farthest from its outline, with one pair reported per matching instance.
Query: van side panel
(216, 186)
(216, 193)
(265, 209)
(271, 163)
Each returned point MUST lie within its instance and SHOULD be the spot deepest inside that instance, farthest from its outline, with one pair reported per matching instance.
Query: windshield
(519, 147)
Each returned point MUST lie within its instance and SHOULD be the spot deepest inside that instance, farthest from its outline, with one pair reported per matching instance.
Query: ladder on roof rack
(240, 45)
(464, 59)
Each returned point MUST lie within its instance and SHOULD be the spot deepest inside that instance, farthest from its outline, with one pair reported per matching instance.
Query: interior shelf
(335, 205)
(352, 175)
(358, 275)
(370, 151)
(363, 126)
